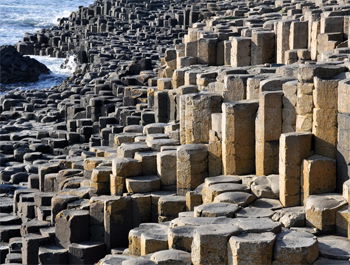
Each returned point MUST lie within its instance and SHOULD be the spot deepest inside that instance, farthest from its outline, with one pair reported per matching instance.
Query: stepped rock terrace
(191, 132)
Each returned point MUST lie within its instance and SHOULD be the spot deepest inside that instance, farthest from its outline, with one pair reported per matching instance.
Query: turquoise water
(20, 16)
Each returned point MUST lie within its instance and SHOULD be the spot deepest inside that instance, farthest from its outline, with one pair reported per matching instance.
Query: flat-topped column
(191, 166)
(298, 38)
(238, 137)
(262, 47)
(294, 147)
(343, 136)
(325, 96)
(207, 51)
(197, 109)
(268, 128)
(282, 39)
(318, 176)
(240, 51)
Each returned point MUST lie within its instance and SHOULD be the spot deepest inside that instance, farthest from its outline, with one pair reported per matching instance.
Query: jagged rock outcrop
(14, 67)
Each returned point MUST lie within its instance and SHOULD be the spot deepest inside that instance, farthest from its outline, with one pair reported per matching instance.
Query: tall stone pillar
(240, 51)
(294, 147)
(215, 146)
(324, 127)
(289, 101)
(282, 39)
(343, 144)
(197, 109)
(268, 129)
(238, 137)
(262, 47)
(206, 52)
(298, 36)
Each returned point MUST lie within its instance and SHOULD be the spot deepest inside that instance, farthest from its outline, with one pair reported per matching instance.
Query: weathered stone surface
(325, 261)
(117, 221)
(136, 233)
(53, 255)
(154, 240)
(192, 166)
(172, 257)
(321, 210)
(346, 190)
(86, 252)
(142, 184)
(258, 225)
(319, 175)
(166, 167)
(193, 198)
(197, 113)
(291, 216)
(30, 247)
(165, 98)
(262, 187)
(236, 197)
(126, 167)
(240, 51)
(68, 227)
(197, 221)
(293, 148)
(268, 127)
(250, 248)
(211, 191)
(171, 206)
(209, 244)
(293, 247)
(238, 125)
(138, 261)
(334, 247)
(112, 259)
(216, 209)
(181, 237)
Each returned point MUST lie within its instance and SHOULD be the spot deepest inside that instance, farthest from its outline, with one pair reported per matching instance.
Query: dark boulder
(14, 67)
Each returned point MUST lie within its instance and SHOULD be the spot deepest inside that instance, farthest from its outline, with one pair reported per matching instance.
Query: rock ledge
(14, 67)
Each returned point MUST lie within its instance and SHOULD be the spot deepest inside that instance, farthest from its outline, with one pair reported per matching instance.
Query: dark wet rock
(14, 67)
(7, 188)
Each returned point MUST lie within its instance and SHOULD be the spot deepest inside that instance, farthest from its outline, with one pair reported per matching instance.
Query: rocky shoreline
(191, 132)
(15, 68)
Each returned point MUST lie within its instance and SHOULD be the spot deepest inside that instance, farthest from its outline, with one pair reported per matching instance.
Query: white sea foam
(71, 64)
(58, 65)
(59, 71)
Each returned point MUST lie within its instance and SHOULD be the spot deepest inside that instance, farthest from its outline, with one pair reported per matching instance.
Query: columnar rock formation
(192, 132)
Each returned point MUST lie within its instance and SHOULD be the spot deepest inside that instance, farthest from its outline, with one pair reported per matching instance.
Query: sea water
(20, 16)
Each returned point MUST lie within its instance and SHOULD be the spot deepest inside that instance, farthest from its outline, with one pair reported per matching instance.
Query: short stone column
(192, 166)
